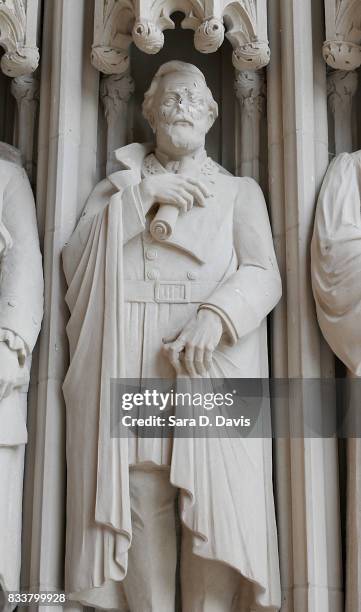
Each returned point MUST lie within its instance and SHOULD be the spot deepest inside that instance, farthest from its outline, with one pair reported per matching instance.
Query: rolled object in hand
(163, 224)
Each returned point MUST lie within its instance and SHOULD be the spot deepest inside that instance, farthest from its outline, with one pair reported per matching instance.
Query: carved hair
(170, 68)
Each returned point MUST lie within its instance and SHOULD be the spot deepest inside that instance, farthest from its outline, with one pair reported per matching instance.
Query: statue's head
(179, 107)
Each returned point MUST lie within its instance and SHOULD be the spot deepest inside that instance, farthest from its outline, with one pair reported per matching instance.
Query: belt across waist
(168, 292)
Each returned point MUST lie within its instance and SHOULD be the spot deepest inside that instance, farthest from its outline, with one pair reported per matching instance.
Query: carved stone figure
(21, 311)
(171, 273)
(336, 259)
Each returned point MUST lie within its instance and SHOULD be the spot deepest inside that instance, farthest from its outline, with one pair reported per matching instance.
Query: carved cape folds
(336, 259)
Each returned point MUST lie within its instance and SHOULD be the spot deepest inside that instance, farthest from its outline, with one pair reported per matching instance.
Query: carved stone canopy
(342, 49)
(18, 27)
(119, 22)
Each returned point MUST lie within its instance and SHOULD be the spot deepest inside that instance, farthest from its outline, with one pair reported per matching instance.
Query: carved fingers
(175, 189)
(12, 375)
(197, 190)
(193, 349)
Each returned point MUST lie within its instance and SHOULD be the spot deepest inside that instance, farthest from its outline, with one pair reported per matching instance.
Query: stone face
(187, 280)
(21, 310)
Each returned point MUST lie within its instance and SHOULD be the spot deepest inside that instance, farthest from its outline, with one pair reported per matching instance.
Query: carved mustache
(182, 119)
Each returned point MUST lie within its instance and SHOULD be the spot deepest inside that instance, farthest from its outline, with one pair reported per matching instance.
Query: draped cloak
(226, 497)
(336, 259)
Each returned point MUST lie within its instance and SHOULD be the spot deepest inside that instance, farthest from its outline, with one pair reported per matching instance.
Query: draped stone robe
(336, 259)
(336, 275)
(226, 484)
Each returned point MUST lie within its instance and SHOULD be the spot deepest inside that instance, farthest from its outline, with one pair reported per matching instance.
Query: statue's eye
(169, 101)
(198, 100)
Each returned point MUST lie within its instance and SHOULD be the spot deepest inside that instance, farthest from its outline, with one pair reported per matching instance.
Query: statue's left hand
(12, 374)
(194, 346)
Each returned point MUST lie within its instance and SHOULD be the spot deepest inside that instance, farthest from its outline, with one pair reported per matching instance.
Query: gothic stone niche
(119, 22)
(196, 290)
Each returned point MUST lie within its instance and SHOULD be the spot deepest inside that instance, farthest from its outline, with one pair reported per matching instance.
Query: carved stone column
(250, 92)
(18, 37)
(115, 93)
(353, 529)
(66, 174)
(25, 90)
(305, 469)
(341, 88)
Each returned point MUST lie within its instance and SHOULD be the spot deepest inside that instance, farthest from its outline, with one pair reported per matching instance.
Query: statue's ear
(152, 121)
(211, 119)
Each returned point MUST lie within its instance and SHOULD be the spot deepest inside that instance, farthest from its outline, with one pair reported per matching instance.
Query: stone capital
(341, 88)
(115, 89)
(25, 89)
(250, 90)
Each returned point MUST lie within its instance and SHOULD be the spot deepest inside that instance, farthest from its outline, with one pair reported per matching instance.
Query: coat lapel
(195, 231)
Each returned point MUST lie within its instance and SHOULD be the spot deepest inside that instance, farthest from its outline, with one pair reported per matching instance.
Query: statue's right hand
(12, 374)
(174, 189)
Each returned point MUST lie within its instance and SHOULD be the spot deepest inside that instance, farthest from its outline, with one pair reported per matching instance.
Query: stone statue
(21, 311)
(336, 259)
(336, 273)
(171, 273)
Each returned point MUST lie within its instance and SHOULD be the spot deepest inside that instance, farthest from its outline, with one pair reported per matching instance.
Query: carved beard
(184, 137)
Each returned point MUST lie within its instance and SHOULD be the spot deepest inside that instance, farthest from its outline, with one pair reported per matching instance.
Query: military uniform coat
(126, 292)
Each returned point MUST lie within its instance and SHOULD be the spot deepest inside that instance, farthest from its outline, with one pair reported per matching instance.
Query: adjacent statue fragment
(171, 273)
(21, 311)
(336, 259)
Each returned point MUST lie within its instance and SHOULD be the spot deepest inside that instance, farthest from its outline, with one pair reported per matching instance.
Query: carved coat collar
(203, 166)
(140, 158)
(191, 234)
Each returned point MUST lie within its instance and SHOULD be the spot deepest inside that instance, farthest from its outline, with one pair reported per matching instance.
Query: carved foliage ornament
(115, 90)
(119, 22)
(342, 49)
(250, 91)
(341, 88)
(18, 23)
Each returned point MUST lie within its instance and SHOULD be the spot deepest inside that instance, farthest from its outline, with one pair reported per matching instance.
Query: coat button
(153, 274)
(191, 275)
(151, 254)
